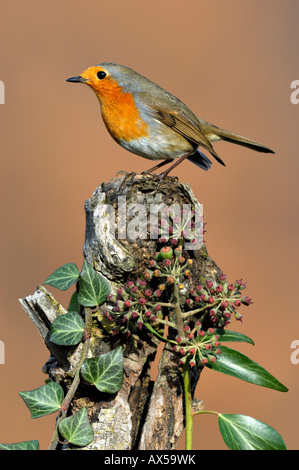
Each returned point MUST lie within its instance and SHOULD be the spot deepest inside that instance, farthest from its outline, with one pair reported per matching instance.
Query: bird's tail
(215, 133)
(199, 159)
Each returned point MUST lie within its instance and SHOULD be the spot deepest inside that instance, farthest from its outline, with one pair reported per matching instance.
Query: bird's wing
(177, 120)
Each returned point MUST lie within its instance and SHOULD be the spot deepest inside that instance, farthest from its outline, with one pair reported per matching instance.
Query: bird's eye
(101, 75)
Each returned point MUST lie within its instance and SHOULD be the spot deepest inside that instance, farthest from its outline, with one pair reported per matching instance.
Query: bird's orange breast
(120, 113)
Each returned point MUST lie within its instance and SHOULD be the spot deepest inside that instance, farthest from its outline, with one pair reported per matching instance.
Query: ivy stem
(201, 309)
(165, 304)
(209, 306)
(178, 312)
(165, 322)
(188, 407)
(76, 380)
(202, 412)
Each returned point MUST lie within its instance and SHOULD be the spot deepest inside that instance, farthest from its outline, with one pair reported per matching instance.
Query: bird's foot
(149, 173)
(130, 176)
(125, 179)
(123, 172)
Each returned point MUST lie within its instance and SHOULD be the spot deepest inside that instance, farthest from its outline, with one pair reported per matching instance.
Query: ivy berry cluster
(167, 294)
(186, 224)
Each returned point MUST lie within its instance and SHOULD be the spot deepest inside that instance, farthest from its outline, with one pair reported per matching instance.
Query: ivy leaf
(43, 400)
(74, 305)
(105, 371)
(67, 329)
(25, 445)
(234, 336)
(93, 289)
(242, 432)
(63, 277)
(232, 362)
(76, 429)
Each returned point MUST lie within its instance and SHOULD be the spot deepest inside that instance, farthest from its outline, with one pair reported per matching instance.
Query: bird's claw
(125, 179)
(160, 177)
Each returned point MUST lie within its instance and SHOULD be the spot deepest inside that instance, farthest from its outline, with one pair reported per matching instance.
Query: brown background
(232, 62)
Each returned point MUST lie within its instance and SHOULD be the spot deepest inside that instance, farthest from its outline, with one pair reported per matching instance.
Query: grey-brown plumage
(164, 129)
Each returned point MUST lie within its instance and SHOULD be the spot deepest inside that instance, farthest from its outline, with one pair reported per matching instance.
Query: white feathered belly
(163, 145)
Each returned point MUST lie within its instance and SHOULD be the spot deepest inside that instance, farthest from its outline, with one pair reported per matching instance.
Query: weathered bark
(165, 417)
(143, 414)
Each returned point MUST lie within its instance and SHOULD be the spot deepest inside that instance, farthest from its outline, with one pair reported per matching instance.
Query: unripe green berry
(165, 253)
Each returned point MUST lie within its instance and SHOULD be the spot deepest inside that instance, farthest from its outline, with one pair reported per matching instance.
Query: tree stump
(144, 414)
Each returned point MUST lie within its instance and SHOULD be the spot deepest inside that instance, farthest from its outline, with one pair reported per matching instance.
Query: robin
(149, 121)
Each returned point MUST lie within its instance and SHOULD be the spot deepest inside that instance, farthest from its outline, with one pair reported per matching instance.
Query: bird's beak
(78, 79)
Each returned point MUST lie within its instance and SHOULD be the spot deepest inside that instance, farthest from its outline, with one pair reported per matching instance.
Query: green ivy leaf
(63, 277)
(105, 371)
(232, 362)
(76, 429)
(67, 329)
(43, 400)
(234, 336)
(25, 445)
(74, 305)
(241, 432)
(93, 289)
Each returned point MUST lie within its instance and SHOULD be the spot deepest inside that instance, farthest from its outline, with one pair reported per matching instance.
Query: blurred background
(233, 63)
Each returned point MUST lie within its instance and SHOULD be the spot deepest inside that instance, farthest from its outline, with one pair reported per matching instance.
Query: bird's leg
(176, 163)
(154, 175)
(162, 175)
(164, 162)
(165, 173)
